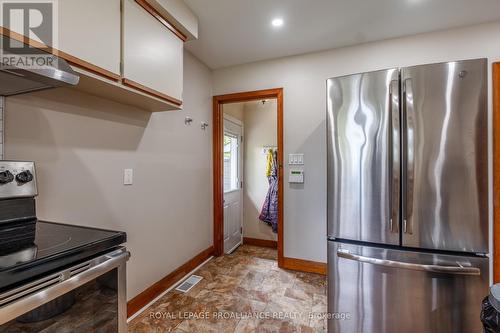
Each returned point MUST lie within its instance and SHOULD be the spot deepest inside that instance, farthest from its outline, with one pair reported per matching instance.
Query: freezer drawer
(377, 290)
(364, 157)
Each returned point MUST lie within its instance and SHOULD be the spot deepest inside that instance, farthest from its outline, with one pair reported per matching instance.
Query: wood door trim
(63, 55)
(144, 298)
(218, 185)
(149, 91)
(162, 19)
(305, 266)
(260, 242)
(496, 172)
(218, 190)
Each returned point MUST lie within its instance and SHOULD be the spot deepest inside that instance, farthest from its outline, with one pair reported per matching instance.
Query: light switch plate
(296, 159)
(128, 176)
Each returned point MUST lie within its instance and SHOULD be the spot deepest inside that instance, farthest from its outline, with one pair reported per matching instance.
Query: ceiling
(234, 32)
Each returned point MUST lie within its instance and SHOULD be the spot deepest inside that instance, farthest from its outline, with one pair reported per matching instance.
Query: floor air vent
(189, 283)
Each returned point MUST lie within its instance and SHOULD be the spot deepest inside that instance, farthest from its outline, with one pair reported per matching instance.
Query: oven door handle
(28, 297)
(461, 270)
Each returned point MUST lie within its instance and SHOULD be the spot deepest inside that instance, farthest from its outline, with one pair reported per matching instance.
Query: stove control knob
(24, 177)
(6, 177)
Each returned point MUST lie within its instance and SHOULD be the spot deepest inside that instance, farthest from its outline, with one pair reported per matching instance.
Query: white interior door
(233, 177)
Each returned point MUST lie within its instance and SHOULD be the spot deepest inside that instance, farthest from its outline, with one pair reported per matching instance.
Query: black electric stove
(48, 270)
(55, 247)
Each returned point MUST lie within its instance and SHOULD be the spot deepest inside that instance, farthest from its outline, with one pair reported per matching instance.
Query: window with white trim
(230, 162)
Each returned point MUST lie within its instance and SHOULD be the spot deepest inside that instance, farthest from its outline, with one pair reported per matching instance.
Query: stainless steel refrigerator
(408, 199)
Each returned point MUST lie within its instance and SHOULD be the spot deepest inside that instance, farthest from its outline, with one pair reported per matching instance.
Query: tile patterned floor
(242, 292)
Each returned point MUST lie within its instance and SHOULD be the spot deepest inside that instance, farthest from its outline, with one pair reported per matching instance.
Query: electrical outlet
(128, 176)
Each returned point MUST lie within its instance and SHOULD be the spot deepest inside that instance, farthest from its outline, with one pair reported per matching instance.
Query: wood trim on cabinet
(218, 190)
(144, 298)
(260, 242)
(496, 172)
(155, 93)
(162, 19)
(63, 55)
(88, 66)
(305, 266)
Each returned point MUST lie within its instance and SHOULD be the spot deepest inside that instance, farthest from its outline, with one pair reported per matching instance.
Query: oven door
(89, 297)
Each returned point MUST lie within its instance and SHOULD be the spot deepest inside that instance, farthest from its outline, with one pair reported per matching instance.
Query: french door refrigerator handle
(409, 109)
(395, 155)
(459, 270)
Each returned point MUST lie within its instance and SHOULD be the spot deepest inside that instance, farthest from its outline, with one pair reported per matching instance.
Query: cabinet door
(152, 54)
(90, 30)
(87, 32)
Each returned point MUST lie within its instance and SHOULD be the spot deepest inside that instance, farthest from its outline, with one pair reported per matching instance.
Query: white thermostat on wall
(296, 176)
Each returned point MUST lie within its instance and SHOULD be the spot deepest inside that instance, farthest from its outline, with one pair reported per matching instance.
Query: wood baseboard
(305, 266)
(141, 300)
(260, 242)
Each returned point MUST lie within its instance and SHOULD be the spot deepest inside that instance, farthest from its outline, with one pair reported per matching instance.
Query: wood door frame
(496, 172)
(218, 187)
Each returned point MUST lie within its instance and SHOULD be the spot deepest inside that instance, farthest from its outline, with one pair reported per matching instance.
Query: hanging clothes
(269, 163)
(269, 211)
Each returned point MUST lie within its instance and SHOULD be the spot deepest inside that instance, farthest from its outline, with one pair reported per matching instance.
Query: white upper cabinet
(90, 31)
(125, 50)
(152, 54)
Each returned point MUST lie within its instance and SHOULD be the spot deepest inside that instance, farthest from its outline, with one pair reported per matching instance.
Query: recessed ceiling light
(277, 22)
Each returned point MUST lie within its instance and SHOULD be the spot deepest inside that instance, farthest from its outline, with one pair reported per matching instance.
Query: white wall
(304, 81)
(81, 144)
(261, 124)
(234, 110)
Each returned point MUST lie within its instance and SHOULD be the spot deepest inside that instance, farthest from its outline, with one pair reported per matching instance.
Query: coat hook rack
(265, 148)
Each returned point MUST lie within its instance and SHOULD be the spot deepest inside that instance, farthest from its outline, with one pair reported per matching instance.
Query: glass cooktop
(55, 247)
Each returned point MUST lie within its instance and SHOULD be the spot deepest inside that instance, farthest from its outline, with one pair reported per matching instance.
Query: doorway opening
(248, 171)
